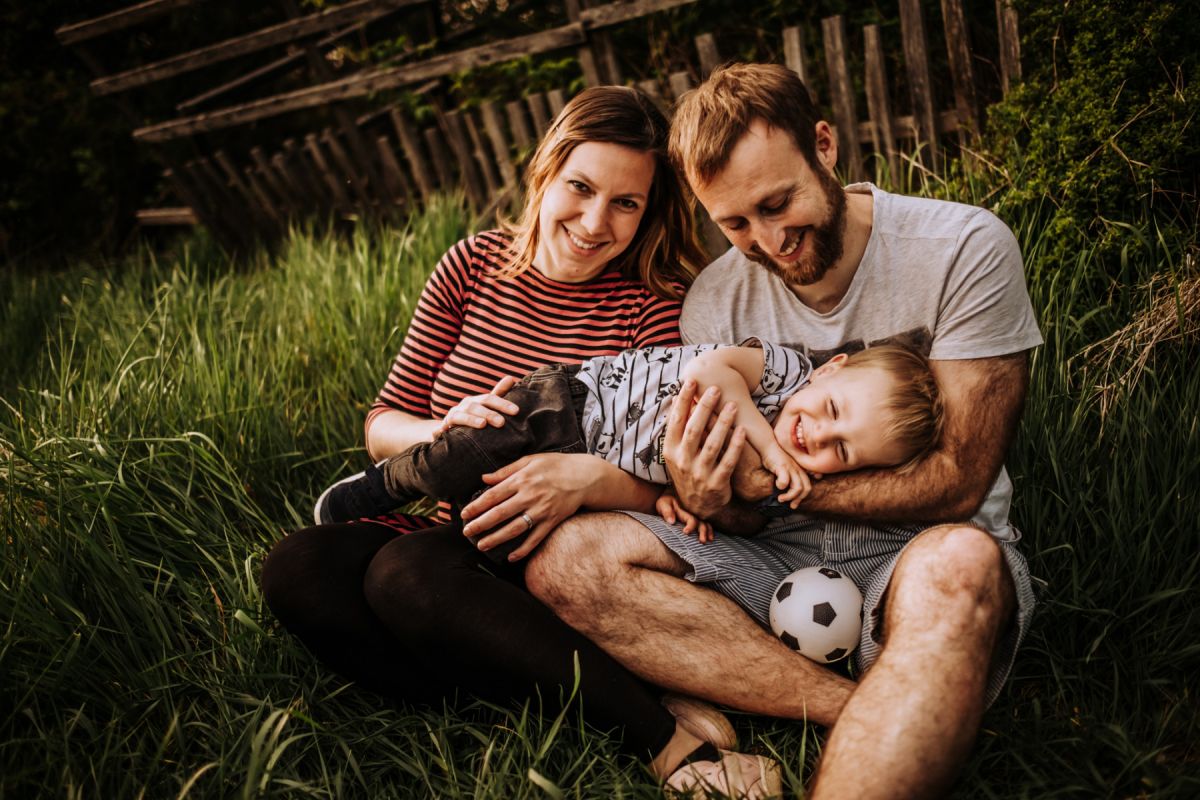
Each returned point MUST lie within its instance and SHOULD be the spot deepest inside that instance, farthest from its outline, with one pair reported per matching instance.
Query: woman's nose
(594, 217)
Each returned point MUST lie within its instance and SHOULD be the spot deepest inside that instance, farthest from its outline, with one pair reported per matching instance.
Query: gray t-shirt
(945, 278)
(625, 412)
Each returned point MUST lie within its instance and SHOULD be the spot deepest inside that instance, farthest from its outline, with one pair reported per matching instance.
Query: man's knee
(570, 561)
(955, 576)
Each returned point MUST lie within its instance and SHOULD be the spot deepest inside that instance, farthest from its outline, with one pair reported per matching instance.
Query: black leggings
(415, 616)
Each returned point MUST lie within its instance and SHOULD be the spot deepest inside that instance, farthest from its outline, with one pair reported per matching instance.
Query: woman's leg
(472, 621)
(313, 582)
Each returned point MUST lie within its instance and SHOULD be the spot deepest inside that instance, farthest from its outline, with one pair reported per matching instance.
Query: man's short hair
(711, 119)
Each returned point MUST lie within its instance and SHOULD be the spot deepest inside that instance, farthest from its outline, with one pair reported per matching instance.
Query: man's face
(776, 208)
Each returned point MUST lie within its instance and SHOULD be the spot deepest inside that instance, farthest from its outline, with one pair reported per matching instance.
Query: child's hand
(788, 475)
(669, 508)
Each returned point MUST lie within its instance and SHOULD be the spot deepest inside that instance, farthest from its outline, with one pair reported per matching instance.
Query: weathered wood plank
(500, 146)
(436, 142)
(363, 83)
(241, 45)
(710, 57)
(522, 135)
(878, 107)
(1010, 45)
(302, 172)
(275, 65)
(178, 215)
(284, 200)
(117, 20)
(456, 135)
(616, 13)
(587, 56)
(557, 100)
(482, 153)
(679, 82)
(336, 185)
(346, 167)
(958, 45)
(920, 87)
(797, 62)
(651, 89)
(539, 110)
(412, 153)
(397, 185)
(842, 92)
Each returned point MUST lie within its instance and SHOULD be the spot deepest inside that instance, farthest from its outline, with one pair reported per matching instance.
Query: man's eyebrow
(577, 174)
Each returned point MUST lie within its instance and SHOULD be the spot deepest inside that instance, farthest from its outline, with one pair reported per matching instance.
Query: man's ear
(827, 146)
(831, 366)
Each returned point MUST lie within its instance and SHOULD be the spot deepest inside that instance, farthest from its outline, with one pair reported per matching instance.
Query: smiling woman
(596, 264)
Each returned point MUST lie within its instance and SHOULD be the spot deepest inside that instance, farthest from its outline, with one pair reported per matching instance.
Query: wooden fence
(381, 162)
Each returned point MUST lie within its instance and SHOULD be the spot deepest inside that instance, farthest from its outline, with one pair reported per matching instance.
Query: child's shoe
(361, 495)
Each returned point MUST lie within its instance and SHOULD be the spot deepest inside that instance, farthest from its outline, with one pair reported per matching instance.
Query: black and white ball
(817, 611)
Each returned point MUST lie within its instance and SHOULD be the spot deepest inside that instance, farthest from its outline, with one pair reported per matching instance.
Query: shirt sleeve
(432, 334)
(784, 371)
(985, 308)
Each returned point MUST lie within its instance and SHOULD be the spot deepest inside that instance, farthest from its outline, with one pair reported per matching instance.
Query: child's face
(836, 421)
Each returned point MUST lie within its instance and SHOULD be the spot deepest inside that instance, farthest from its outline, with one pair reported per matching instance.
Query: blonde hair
(915, 415)
(665, 255)
(711, 119)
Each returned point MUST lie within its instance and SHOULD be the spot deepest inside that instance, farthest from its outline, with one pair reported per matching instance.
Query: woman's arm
(550, 487)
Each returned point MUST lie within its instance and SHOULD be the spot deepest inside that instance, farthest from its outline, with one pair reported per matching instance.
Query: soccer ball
(818, 612)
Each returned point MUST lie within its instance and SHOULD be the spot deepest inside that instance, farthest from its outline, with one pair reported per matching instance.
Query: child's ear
(831, 366)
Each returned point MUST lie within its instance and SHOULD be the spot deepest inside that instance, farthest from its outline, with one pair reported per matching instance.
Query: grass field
(166, 419)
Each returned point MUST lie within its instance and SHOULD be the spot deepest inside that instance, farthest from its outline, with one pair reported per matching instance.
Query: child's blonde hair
(915, 413)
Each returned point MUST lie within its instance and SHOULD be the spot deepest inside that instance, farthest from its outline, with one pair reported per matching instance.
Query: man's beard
(826, 240)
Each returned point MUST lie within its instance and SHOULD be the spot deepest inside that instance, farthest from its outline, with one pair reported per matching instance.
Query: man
(947, 594)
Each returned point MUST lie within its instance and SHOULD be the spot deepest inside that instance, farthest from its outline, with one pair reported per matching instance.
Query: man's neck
(824, 295)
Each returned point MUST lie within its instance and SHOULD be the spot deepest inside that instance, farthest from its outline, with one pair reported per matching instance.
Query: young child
(876, 408)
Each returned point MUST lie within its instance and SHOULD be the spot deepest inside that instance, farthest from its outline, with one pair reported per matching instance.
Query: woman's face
(591, 210)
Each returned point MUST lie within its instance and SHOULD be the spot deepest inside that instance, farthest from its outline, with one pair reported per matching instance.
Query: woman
(595, 265)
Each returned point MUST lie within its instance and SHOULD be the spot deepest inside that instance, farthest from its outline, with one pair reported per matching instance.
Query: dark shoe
(361, 495)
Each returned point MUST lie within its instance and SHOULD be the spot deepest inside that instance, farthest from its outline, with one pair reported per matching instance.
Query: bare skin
(906, 728)
(671, 632)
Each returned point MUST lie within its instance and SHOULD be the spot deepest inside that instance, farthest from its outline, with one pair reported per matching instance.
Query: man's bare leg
(613, 580)
(914, 715)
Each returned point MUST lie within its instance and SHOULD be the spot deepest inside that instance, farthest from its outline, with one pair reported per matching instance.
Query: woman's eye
(578, 186)
(628, 205)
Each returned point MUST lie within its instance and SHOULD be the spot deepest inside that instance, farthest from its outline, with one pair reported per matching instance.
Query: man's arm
(983, 399)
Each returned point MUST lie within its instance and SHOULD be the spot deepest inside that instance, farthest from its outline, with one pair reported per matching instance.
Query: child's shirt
(625, 414)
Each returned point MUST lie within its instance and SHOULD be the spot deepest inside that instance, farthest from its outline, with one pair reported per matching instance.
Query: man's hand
(700, 459)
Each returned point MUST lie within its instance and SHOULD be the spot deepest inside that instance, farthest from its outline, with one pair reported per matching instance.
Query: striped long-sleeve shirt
(471, 328)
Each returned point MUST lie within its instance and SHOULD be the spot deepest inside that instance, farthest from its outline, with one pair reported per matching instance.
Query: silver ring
(528, 521)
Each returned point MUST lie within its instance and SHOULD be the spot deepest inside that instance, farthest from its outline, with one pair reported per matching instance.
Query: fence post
(793, 56)
(1010, 45)
(487, 164)
(519, 126)
(540, 113)
(877, 99)
(435, 142)
(558, 100)
(710, 57)
(916, 60)
(313, 146)
(587, 56)
(958, 44)
(457, 137)
(834, 31)
(500, 146)
(412, 153)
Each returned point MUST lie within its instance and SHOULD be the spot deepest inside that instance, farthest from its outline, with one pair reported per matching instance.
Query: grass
(163, 421)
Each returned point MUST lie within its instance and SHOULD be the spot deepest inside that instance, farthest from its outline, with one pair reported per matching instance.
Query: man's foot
(702, 720)
(736, 775)
(361, 495)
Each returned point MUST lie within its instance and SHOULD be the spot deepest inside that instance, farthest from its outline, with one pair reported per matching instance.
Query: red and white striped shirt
(471, 328)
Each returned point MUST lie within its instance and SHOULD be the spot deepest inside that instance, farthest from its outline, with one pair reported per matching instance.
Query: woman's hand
(700, 458)
(548, 487)
(481, 410)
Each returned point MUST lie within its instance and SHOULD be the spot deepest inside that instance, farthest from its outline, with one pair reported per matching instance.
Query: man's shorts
(749, 569)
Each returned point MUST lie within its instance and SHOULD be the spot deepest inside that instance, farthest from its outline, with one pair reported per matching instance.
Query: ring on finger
(528, 521)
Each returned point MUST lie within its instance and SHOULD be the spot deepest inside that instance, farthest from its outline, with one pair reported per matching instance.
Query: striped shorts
(749, 569)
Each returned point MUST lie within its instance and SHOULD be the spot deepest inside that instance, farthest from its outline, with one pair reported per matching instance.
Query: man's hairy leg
(613, 580)
(914, 716)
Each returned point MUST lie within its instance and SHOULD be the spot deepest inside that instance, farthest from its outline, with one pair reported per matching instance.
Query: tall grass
(165, 420)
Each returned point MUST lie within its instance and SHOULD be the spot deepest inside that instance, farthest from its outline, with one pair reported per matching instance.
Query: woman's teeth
(581, 243)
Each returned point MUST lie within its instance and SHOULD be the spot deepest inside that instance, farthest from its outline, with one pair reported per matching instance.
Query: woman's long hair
(664, 254)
